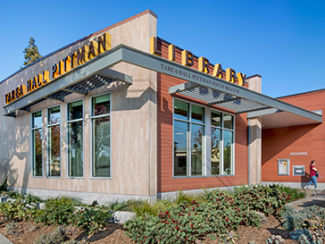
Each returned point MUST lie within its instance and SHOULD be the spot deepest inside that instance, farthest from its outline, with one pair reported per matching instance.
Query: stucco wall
(133, 122)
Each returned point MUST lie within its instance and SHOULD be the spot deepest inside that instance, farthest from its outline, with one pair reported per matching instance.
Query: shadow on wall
(276, 140)
(16, 148)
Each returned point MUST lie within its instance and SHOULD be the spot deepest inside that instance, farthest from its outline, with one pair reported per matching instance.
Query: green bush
(58, 211)
(295, 194)
(268, 200)
(91, 220)
(185, 222)
(20, 208)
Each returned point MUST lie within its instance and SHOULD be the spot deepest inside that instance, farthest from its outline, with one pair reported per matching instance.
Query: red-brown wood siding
(166, 182)
(280, 142)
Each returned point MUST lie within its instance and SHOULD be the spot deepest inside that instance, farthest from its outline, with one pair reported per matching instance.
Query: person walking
(313, 175)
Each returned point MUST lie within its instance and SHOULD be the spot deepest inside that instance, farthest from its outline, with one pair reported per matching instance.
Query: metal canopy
(222, 99)
(200, 85)
(84, 78)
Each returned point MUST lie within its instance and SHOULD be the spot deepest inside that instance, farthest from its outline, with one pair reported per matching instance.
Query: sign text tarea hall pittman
(77, 58)
(198, 78)
(203, 66)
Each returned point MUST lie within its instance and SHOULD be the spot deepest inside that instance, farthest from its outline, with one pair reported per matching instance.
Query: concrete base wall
(85, 197)
(298, 185)
(173, 194)
(103, 198)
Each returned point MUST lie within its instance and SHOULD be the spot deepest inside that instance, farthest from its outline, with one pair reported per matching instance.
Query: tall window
(190, 153)
(54, 162)
(189, 130)
(101, 149)
(75, 139)
(37, 167)
(222, 143)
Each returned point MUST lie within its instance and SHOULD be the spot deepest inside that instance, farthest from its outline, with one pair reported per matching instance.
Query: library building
(124, 114)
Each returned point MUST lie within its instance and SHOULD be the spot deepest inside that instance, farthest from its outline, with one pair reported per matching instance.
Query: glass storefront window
(216, 118)
(75, 139)
(54, 146)
(228, 121)
(197, 132)
(180, 110)
(197, 114)
(228, 152)
(101, 163)
(191, 157)
(37, 136)
(215, 151)
(180, 148)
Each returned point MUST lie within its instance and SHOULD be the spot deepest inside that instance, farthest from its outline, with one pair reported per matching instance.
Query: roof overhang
(198, 85)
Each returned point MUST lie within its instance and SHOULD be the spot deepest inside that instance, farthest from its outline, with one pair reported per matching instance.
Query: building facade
(124, 114)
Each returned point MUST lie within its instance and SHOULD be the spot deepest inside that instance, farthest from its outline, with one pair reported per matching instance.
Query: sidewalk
(4, 240)
(310, 200)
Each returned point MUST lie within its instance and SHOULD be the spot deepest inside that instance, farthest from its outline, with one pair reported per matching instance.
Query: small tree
(31, 52)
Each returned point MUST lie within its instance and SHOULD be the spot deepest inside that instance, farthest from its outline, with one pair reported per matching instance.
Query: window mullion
(221, 152)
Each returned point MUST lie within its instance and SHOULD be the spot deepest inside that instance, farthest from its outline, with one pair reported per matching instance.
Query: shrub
(295, 194)
(268, 200)
(57, 237)
(58, 211)
(22, 209)
(185, 222)
(91, 220)
(308, 237)
(307, 218)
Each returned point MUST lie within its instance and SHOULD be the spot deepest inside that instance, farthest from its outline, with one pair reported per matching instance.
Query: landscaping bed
(248, 215)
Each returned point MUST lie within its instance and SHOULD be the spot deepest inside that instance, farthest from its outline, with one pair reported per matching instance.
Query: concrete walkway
(310, 200)
(4, 240)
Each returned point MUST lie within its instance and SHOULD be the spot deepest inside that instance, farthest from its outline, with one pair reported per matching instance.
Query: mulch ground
(114, 233)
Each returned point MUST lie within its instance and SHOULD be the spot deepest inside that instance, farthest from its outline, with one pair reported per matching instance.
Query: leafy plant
(295, 194)
(22, 209)
(58, 211)
(91, 220)
(185, 222)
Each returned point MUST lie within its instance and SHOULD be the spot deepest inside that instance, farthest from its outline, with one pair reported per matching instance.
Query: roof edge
(84, 38)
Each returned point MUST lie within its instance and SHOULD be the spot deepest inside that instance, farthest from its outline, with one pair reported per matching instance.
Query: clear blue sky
(283, 41)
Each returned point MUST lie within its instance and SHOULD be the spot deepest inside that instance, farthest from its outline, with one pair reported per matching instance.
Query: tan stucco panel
(133, 122)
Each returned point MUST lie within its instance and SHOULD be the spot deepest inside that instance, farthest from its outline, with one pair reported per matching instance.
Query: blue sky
(283, 41)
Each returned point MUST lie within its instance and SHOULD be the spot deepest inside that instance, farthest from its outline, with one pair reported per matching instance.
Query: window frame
(206, 153)
(48, 125)
(91, 117)
(67, 121)
(32, 144)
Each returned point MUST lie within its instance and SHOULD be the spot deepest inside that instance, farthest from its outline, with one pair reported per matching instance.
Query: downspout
(249, 152)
